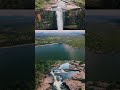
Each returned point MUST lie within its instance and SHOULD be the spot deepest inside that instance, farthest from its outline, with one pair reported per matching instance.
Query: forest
(40, 4)
(74, 41)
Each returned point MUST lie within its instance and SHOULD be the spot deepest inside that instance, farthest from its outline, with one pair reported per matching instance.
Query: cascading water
(59, 75)
(59, 14)
(59, 19)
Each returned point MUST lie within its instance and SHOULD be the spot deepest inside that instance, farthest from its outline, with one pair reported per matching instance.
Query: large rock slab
(46, 83)
(74, 84)
(79, 76)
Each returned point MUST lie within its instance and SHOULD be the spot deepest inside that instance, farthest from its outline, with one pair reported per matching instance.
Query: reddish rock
(46, 83)
(79, 76)
(44, 87)
(48, 80)
(74, 84)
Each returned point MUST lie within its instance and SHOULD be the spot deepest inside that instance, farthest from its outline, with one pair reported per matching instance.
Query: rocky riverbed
(67, 76)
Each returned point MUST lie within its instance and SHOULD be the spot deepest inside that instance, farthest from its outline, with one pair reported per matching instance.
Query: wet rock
(74, 84)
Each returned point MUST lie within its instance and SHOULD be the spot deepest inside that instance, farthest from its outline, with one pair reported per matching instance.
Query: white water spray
(59, 14)
(57, 83)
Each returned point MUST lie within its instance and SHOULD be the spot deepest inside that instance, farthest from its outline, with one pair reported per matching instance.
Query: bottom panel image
(60, 60)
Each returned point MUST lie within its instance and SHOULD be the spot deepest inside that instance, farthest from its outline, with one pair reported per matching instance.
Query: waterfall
(59, 14)
(57, 83)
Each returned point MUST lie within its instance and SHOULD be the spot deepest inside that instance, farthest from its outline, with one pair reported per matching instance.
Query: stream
(59, 74)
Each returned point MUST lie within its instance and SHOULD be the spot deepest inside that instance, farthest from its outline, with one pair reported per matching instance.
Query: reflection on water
(59, 52)
(70, 50)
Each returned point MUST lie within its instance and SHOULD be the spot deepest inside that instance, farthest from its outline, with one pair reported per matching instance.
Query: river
(59, 52)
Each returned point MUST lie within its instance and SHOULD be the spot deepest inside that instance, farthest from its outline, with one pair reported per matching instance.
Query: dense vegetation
(39, 4)
(74, 41)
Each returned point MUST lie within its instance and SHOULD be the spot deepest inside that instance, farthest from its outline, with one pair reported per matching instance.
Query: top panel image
(59, 14)
(17, 4)
(102, 4)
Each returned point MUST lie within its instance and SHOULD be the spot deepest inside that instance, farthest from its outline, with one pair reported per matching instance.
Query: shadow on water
(58, 52)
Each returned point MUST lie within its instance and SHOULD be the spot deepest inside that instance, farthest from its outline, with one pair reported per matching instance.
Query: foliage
(42, 68)
(80, 2)
(39, 4)
(75, 41)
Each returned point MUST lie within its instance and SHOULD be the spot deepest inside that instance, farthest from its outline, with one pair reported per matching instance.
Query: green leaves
(40, 3)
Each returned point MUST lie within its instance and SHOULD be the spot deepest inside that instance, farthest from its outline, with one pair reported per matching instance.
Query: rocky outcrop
(79, 76)
(74, 84)
(77, 82)
(76, 65)
(46, 83)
